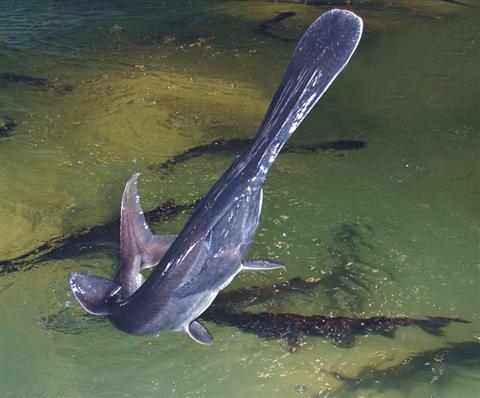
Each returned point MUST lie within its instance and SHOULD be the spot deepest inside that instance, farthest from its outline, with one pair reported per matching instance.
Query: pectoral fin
(260, 265)
(198, 333)
(93, 292)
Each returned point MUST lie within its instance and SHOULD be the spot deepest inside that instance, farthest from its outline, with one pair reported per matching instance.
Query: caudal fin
(434, 324)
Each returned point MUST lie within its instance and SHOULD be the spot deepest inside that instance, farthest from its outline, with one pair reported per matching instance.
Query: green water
(391, 229)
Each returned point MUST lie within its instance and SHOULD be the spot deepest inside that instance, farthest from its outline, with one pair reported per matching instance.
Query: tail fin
(322, 53)
(433, 324)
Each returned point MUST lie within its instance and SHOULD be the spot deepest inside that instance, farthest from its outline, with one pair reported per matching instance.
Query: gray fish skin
(210, 249)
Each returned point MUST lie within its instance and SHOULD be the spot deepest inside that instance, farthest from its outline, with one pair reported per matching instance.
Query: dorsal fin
(95, 294)
(139, 248)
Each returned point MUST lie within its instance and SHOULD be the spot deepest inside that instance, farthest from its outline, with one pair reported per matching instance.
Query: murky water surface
(390, 229)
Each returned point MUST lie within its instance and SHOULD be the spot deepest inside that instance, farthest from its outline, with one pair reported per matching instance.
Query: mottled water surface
(91, 92)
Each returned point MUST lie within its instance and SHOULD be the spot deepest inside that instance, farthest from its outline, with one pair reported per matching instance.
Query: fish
(265, 28)
(292, 327)
(34, 81)
(235, 145)
(339, 330)
(254, 295)
(458, 3)
(211, 248)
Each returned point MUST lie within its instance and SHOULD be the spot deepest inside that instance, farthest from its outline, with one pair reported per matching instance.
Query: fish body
(210, 250)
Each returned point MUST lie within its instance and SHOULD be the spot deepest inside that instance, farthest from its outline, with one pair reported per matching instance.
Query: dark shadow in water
(37, 82)
(436, 366)
(238, 145)
(105, 236)
(7, 126)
